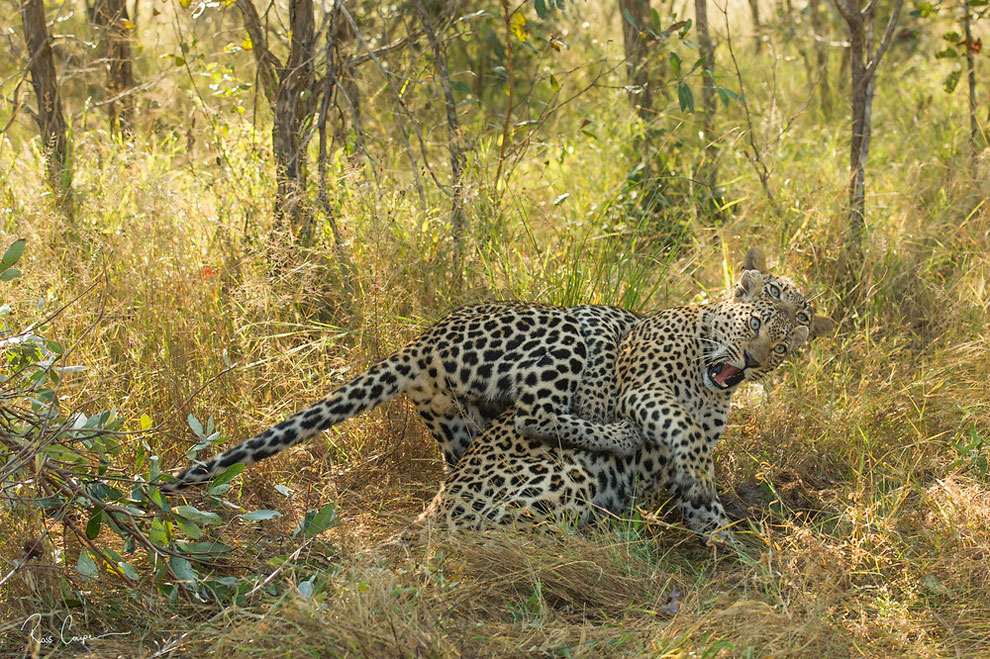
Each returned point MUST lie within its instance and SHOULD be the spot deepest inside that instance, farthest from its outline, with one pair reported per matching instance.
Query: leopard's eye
(780, 349)
(803, 318)
(774, 291)
(754, 323)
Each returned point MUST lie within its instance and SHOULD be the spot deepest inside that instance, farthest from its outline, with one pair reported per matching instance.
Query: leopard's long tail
(380, 383)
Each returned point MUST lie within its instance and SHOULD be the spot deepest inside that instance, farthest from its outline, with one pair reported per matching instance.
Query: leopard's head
(779, 289)
(750, 337)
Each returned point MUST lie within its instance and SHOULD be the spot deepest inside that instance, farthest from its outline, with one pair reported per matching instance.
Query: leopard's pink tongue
(728, 370)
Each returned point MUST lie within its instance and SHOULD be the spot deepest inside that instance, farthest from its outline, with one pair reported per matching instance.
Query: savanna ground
(858, 474)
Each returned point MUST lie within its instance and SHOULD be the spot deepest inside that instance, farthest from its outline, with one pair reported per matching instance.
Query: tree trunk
(330, 82)
(115, 31)
(708, 172)
(347, 84)
(266, 63)
(454, 144)
(754, 8)
(51, 121)
(636, 47)
(290, 89)
(857, 77)
(293, 112)
(863, 63)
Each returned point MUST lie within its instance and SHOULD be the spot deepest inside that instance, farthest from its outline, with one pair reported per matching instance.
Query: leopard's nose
(750, 362)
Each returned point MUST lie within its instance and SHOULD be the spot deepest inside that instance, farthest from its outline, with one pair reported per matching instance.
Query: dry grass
(865, 519)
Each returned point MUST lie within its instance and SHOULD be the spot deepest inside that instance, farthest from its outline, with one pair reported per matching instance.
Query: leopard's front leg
(664, 421)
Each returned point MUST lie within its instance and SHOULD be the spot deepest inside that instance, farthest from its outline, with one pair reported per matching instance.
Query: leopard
(675, 375)
(554, 366)
(465, 371)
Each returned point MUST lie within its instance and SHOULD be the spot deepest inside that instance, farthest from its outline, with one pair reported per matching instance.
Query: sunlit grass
(859, 473)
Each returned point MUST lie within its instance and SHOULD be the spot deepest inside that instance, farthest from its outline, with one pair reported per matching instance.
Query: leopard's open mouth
(725, 375)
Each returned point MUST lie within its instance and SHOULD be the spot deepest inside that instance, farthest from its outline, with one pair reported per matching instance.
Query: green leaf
(731, 94)
(196, 426)
(948, 53)
(93, 526)
(128, 570)
(10, 273)
(950, 82)
(685, 97)
(655, 15)
(629, 19)
(157, 533)
(321, 521)
(554, 84)
(189, 528)
(283, 490)
(228, 474)
(461, 86)
(256, 515)
(196, 515)
(62, 453)
(183, 569)
(207, 548)
(541, 9)
(726, 95)
(675, 63)
(86, 566)
(12, 255)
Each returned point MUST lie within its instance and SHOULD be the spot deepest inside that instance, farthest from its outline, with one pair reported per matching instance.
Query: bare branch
(846, 10)
(384, 50)
(762, 171)
(453, 127)
(267, 63)
(510, 73)
(402, 107)
(871, 66)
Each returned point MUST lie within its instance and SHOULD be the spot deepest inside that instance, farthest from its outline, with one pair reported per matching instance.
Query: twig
(454, 137)
(400, 104)
(875, 58)
(510, 81)
(762, 171)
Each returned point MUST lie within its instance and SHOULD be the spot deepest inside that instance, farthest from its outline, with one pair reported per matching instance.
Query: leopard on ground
(675, 374)
(555, 366)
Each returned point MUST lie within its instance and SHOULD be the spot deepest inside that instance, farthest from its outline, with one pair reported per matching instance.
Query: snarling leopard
(675, 374)
(553, 366)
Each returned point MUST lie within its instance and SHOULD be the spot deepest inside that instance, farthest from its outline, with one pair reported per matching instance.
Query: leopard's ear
(821, 325)
(799, 335)
(750, 286)
(755, 260)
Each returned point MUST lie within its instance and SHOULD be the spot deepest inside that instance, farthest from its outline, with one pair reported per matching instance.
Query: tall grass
(859, 473)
